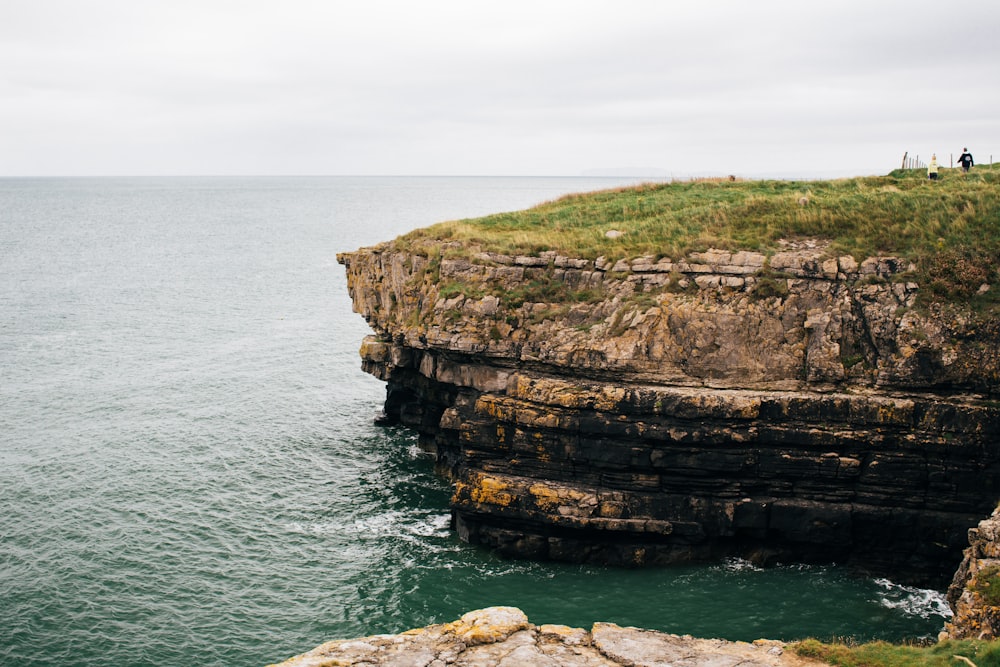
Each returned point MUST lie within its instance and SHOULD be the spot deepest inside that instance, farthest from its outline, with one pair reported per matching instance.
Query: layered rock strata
(791, 407)
(503, 637)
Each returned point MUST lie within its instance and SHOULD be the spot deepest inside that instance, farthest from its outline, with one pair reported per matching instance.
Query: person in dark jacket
(965, 159)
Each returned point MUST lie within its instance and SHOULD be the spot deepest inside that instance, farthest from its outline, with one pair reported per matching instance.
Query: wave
(917, 602)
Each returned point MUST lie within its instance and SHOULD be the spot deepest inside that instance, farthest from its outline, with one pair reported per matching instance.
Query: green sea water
(189, 469)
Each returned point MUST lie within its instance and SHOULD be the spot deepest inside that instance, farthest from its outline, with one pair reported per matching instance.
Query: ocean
(189, 469)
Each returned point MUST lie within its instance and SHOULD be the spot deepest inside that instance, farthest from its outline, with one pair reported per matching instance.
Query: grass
(883, 654)
(987, 584)
(950, 228)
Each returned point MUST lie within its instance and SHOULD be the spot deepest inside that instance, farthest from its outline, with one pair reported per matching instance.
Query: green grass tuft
(950, 229)
(884, 654)
(987, 584)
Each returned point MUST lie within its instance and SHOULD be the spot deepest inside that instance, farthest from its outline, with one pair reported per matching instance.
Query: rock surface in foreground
(503, 636)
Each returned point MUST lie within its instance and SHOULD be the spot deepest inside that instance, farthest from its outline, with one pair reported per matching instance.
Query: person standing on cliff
(965, 159)
(932, 168)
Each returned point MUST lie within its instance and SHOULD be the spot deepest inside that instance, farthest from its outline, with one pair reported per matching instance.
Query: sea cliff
(789, 406)
(974, 593)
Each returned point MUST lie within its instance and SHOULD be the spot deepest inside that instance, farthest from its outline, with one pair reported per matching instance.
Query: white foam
(912, 601)
(387, 524)
(739, 565)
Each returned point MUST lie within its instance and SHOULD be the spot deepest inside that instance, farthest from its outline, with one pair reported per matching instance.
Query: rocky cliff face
(974, 594)
(795, 407)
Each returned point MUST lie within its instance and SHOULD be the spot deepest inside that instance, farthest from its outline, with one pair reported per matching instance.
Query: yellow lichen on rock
(490, 491)
(488, 626)
(564, 500)
(545, 497)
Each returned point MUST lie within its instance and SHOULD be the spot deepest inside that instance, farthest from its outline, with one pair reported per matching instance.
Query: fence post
(905, 153)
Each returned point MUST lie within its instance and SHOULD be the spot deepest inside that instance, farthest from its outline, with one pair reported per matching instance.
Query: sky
(790, 88)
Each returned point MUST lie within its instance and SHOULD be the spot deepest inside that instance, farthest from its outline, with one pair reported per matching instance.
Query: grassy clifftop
(949, 228)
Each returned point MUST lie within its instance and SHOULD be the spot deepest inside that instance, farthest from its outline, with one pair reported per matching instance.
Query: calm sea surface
(189, 473)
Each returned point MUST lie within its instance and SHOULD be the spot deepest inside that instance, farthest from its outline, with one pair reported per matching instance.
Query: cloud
(542, 87)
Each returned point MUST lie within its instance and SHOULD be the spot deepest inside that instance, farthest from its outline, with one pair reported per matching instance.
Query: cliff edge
(785, 407)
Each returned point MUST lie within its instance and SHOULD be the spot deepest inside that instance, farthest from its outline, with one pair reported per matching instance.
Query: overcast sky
(538, 87)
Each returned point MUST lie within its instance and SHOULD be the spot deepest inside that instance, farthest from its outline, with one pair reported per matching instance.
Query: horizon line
(601, 174)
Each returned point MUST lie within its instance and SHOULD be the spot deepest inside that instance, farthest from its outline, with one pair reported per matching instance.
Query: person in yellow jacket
(932, 168)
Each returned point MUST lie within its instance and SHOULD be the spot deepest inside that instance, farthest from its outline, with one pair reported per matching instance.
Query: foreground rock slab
(503, 637)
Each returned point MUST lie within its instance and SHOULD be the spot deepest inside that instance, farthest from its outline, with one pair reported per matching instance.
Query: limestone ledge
(796, 319)
(808, 260)
(503, 637)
